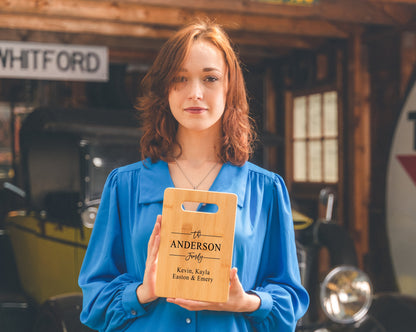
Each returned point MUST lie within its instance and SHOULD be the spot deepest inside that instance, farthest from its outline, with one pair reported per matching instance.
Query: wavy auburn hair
(158, 124)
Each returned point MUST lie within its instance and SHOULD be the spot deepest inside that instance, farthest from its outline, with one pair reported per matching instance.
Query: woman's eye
(179, 79)
(211, 79)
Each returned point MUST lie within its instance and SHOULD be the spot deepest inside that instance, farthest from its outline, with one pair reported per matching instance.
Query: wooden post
(359, 144)
(408, 59)
(269, 118)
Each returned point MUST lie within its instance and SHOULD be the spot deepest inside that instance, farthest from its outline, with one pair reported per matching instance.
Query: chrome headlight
(346, 294)
(88, 216)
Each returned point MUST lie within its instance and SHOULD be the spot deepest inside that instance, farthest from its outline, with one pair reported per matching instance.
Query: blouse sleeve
(109, 294)
(283, 298)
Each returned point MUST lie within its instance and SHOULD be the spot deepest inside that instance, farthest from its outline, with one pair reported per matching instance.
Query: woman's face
(198, 94)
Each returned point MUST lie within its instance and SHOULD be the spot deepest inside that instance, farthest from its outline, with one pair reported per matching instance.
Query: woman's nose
(195, 92)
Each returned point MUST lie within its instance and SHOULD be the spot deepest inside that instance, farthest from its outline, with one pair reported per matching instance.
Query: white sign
(401, 195)
(53, 61)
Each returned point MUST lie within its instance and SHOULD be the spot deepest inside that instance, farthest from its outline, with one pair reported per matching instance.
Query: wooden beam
(410, 2)
(274, 41)
(76, 25)
(134, 38)
(288, 100)
(402, 14)
(144, 50)
(140, 44)
(129, 56)
(359, 122)
(128, 13)
(407, 59)
(270, 24)
(270, 28)
(353, 11)
(328, 18)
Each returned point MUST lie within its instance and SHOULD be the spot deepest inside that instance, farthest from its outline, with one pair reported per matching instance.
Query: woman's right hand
(146, 291)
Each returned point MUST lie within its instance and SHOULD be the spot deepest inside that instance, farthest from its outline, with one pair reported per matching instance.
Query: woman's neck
(198, 147)
(198, 165)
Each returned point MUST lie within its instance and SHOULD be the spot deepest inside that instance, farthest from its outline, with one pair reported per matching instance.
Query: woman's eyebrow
(211, 69)
(207, 69)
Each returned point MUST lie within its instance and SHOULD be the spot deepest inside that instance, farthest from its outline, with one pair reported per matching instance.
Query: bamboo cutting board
(195, 252)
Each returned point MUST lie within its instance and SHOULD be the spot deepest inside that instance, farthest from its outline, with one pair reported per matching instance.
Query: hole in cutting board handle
(189, 206)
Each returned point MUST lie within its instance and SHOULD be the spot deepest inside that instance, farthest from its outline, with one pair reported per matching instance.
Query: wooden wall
(375, 53)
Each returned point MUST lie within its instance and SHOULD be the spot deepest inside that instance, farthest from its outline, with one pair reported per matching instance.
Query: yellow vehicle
(66, 155)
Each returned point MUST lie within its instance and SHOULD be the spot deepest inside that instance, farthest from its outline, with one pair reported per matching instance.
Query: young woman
(197, 135)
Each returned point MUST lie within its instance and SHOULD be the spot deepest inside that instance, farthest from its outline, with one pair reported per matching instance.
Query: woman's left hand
(238, 300)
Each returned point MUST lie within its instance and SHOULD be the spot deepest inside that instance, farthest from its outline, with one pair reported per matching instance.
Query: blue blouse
(264, 253)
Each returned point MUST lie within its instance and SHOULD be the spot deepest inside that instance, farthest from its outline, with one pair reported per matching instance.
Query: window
(11, 117)
(314, 138)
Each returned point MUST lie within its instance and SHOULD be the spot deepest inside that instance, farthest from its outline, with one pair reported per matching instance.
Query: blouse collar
(155, 178)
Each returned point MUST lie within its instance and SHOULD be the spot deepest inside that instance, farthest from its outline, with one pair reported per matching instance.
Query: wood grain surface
(196, 247)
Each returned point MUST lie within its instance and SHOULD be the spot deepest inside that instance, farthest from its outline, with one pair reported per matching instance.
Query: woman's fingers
(233, 275)
(146, 291)
(154, 252)
(235, 286)
(230, 305)
(154, 241)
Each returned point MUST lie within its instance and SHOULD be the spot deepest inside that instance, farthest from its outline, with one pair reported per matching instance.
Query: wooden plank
(288, 26)
(287, 20)
(340, 86)
(136, 49)
(129, 56)
(269, 118)
(288, 99)
(359, 145)
(274, 41)
(257, 48)
(410, 2)
(318, 20)
(97, 10)
(141, 48)
(73, 25)
(408, 59)
(385, 102)
(196, 247)
(401, 14)
(173, 17)
(354, 11)
(270, 110)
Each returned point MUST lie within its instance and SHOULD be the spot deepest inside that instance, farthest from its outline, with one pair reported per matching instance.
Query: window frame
(308, 189)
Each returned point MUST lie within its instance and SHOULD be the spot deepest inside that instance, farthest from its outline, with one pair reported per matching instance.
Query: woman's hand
(146, 291)
(238, 301)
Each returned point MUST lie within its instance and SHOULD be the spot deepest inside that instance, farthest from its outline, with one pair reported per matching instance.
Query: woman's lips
(195, 110)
